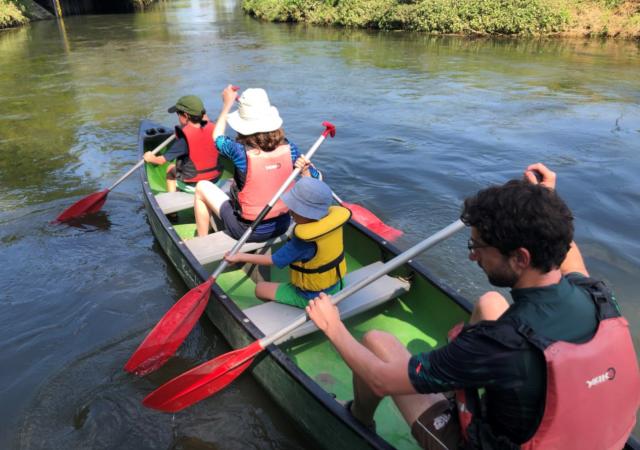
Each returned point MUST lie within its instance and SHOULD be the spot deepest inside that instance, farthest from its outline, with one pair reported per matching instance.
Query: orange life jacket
(202, 160)
(266, 173)
(593, 389)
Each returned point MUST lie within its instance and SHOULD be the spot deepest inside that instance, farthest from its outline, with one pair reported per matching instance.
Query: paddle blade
(369, 220)
(88, 205)
(168, 334)
(202, 381)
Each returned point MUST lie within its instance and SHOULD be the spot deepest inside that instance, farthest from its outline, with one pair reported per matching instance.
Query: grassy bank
(568, 17)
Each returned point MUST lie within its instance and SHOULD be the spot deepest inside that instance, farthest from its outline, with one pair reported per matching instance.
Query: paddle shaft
(266, 209)
(336, 198)
(141, 162)
(387, 267)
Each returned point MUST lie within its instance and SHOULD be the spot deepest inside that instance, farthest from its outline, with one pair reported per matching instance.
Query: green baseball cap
(190, 104)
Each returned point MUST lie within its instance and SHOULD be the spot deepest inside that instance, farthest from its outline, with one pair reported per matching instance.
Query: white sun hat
(254, 114)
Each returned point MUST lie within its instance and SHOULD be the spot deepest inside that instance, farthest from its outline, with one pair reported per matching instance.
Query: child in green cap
(195, 152)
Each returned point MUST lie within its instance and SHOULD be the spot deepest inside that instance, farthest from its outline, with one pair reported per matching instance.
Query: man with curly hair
(522, 238)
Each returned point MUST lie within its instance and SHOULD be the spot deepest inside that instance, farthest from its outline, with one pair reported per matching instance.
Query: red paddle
(208, 378)
(93, 202)
(175, 325)
(370, 221)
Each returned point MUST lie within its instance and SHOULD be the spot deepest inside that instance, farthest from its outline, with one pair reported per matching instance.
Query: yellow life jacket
(328, 266)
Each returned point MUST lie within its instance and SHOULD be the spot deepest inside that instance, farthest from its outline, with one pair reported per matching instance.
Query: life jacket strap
(323, 268)
(218, 168)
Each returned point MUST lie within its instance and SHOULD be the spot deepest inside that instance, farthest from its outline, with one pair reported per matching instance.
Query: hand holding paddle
(175, 325)
(93, 202)
(212, 376)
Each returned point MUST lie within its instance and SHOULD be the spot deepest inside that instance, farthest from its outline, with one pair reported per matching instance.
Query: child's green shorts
(289, 294)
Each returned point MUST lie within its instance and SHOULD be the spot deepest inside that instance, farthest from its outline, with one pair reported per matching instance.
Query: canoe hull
(327, 423)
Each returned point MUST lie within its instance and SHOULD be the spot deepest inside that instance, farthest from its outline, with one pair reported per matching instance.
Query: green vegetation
(511, 17)
(12, 13)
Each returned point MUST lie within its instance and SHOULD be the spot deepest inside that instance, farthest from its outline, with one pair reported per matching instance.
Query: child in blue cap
(315, 253)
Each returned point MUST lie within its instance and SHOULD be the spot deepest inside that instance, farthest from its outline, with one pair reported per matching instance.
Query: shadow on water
(91, 222)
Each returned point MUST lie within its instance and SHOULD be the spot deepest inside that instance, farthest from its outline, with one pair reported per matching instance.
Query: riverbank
(14, 13)
(19, 12)
(603, 18)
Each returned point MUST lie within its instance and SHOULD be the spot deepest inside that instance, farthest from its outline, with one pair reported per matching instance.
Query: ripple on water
(93, 403)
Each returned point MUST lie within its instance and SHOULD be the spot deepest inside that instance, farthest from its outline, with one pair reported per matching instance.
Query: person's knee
(265, 291)
(375, 338)
(490, 306)
(384, 345)
(201, 187)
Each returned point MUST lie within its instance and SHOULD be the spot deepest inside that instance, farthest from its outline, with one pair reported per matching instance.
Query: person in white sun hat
(263, 159)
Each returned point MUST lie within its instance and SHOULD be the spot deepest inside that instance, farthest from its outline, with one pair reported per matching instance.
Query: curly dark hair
(266, 142)
(520, 214)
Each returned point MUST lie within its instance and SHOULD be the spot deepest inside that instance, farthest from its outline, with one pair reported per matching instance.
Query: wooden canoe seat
(171, 202)
(270, 317)
(213, 247)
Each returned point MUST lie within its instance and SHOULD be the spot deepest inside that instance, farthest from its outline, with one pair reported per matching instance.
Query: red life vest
(202, 161)
(593, 389)
(266, 173)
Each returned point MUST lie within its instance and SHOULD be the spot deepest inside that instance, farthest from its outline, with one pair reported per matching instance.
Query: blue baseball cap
(309, 198)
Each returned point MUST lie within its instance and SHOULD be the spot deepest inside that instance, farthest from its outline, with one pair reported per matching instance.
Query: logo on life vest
(272, 166)
(440, 421)
(610, 374)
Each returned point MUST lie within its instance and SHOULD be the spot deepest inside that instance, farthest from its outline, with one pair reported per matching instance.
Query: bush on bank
(435, 16)
(12, 13)
(571, 17)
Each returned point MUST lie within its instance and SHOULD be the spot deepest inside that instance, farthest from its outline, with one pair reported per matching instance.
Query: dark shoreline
(21, 12)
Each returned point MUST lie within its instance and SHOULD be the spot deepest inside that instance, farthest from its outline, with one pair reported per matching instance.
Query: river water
(422, 122)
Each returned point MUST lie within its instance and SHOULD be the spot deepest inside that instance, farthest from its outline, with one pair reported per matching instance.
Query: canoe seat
(270, 317)
(213, 247)
(171, 202)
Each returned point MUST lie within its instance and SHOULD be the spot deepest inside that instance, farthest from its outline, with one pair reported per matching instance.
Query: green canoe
(304, 374)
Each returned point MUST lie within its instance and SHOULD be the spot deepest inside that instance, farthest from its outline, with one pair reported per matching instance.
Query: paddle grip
(141, 162)
(387, 267)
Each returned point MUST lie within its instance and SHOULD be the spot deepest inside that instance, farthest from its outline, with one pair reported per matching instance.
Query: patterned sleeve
(295, 153)
(472, 360)
(234, 151)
